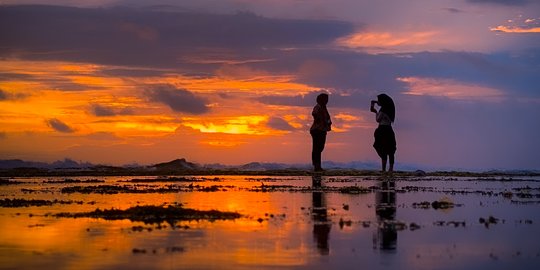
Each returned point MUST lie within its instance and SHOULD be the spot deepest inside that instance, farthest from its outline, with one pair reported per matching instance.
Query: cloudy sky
(234, 81)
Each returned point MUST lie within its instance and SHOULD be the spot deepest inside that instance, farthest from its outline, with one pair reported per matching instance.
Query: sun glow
(248, 125)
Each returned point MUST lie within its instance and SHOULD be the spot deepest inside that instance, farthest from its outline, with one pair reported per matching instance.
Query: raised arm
(372, 108)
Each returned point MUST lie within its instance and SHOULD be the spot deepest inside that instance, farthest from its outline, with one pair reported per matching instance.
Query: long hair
(387, 106)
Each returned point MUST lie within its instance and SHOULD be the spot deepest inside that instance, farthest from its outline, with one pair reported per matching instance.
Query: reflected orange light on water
(279, 256)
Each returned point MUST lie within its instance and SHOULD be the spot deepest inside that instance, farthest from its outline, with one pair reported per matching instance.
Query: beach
(267, 222)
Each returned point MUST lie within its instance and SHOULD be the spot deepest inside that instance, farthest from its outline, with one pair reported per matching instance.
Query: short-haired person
(321, 125)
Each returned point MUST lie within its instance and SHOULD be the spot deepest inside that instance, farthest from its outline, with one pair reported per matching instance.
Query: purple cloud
(10, 96)
(103, 110)
(279, 124)
(501, 2)
(179, 100)
(125, 36)
(59, 126)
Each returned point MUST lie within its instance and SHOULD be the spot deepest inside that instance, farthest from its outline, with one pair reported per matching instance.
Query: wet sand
(263, 222)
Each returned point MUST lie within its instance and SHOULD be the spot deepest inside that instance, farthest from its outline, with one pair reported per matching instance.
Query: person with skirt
(321, 125)
(385, 139)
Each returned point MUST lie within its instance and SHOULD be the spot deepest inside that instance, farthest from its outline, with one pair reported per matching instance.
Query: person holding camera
(385, 138)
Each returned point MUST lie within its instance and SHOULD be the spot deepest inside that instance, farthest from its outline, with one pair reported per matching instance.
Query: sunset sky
(234, 81)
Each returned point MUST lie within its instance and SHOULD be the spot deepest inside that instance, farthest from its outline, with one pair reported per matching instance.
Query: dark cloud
(99, 110)
(11, 96)
(352, 100)
(125, 72)
(103, 110)
(453, 10)
(8, 76)
(149, 38)
(102, 136)
(358, 77)
(60, 81)
(349, 72)
(501, 2)
(298, 100)
(62, 84)
(179, 100)
(225, 95)
(279, 124)
(341, 70)
(187, 41)
(59, 126)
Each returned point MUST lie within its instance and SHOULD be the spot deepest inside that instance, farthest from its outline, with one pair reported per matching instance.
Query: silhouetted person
(385, 209)
(385, 139)
(321, 125)
(321, 224)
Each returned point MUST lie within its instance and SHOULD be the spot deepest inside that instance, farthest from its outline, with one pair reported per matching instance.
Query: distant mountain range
(183, 164)
(59, 164)
(15, 167)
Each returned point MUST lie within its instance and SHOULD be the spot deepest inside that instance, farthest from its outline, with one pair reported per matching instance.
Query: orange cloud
(386, 39)
(347, 117)
(450, 89)
(519, 24)
(514, 29)
(344, 122)
(116, 106)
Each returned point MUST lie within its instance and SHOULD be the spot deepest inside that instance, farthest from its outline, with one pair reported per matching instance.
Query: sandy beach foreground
(262, 222)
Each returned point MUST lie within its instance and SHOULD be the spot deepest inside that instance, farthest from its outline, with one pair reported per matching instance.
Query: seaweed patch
(27, 203)
(155, 214)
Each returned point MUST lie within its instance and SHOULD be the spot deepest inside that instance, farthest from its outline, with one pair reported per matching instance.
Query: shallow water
(287, 222)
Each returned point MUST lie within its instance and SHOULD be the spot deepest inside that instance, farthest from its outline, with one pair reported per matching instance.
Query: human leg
(391, 159)
(319, 139)
(315, 156)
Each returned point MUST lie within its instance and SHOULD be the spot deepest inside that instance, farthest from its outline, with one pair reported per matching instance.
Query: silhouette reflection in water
(319, 214)
(385, 209)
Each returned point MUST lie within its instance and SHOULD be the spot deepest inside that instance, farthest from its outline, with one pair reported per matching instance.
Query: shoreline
(36, 172)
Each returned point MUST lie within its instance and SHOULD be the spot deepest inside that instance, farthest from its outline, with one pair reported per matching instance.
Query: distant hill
(177, 164)
(17, 163)
(59, 164)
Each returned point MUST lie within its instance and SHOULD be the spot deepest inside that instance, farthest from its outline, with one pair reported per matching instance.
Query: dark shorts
(385, 141)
